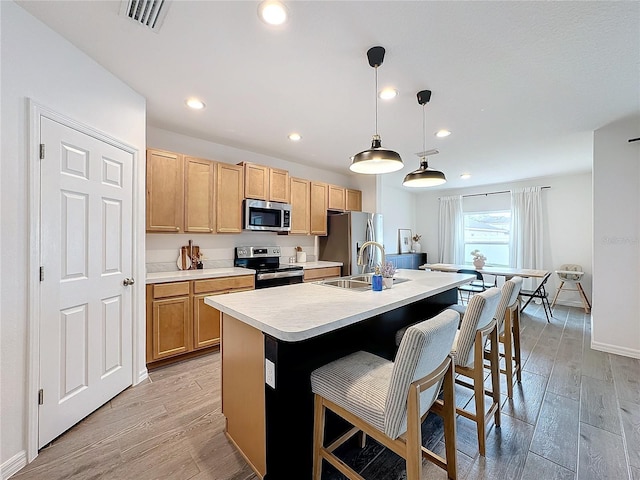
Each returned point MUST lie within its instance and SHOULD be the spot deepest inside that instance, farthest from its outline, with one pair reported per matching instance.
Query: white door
(85, 306)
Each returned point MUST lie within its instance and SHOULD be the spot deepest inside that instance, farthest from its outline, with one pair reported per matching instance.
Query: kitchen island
(273, 338)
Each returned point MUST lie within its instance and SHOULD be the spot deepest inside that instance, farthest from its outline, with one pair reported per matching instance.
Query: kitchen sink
(367, 278)
(356, 282)
(346, 282)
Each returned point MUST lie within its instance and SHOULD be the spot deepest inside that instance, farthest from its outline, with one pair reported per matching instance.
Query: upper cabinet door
(256, 181)
(279, 186)
(300, 206)
(354, 200)
(198, 208)
(318, 208)
(229, 194)
(337, 199)
(165, 191)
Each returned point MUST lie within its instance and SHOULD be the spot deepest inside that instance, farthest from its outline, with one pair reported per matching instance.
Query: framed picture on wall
(404, 240)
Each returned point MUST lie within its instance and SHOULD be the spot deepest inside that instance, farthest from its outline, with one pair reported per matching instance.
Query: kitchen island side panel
(243, 390)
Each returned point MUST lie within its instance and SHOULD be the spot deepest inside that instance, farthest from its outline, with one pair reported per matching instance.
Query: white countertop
(318, 264)
(298, 312)
(184, 275)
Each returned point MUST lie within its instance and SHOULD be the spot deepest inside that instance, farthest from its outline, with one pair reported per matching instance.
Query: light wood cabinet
(198, 197)
(266, 183)
(178, 320)
(318, 204)
(316, 274)
(300, 206)
(165, 191)
(354, 200)
(337, 198)
(256, 181)
(169, 320)
(229, 194)
(279, 186)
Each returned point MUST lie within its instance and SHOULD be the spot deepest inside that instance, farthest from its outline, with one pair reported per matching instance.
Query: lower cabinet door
(171, 327)
(206, 323)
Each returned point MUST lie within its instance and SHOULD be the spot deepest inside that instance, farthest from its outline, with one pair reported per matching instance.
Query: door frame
(33, 288)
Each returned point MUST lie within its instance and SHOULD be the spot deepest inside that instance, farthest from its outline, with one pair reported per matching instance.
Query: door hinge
(40, 397)
(42, 274)
(42, 151)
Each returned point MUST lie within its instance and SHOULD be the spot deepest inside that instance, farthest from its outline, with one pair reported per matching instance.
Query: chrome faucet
(365, 245)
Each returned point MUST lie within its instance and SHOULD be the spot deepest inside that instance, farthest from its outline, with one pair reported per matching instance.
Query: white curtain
(451, 230)
(526, 230)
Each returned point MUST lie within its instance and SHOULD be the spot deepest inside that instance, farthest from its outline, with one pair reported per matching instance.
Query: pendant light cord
(424, 128)
(376, 93)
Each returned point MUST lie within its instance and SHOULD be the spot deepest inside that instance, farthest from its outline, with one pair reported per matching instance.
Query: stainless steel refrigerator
(346, 234)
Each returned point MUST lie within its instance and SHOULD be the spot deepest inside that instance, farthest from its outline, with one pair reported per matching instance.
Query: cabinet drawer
(161, 290)
(220, 284)
(321, 273)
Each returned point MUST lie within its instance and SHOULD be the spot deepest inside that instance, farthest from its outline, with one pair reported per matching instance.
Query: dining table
(506, 272)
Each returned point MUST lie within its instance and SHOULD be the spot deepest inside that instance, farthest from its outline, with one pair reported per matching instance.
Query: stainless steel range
(266, 262)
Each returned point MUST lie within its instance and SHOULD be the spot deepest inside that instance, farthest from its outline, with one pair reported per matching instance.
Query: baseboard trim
(615, 349)
(13, 465)
(142, 376)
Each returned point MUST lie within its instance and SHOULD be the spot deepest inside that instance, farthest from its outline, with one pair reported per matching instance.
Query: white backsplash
(218, 250)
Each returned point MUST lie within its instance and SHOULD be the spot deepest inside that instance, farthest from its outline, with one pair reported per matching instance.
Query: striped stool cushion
(358, 383)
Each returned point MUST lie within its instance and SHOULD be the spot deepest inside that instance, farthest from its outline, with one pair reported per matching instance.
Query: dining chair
(479, 326)
(541, 293)
(476, 286)
(571, 274)
(508, 324)
(388, 400)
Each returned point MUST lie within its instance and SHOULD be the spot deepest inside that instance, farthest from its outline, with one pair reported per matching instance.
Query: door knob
(128, 281)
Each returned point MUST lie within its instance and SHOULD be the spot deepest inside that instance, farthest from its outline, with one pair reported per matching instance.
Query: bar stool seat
(388, 400)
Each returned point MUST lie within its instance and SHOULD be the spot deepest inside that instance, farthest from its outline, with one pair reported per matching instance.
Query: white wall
(164, 247)
(39, 64)
(398, 208)
(568, 221)
(616, 196)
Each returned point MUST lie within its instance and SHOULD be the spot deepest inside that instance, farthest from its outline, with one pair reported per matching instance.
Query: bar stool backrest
(480, 311)
(510, 291)
(423, 348)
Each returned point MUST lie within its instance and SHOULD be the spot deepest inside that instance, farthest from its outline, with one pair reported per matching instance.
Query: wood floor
(576, 415)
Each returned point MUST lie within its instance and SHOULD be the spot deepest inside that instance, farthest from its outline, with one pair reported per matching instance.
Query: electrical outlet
(270, 373)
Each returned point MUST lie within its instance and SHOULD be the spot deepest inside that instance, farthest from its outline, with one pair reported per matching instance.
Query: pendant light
(376, 159)
(424, 176)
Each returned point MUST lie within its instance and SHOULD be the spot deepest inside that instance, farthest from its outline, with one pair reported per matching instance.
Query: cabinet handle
(211, 229)
(177, 229)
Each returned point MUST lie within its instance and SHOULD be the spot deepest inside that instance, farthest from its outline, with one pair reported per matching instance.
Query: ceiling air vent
(150, 13)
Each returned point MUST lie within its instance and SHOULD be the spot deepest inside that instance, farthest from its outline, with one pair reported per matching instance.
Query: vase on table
(416, 247)
(478, 263)
(387, 282)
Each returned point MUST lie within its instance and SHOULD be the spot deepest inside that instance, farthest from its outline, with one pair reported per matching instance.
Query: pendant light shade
(424, 176)
(376, 159)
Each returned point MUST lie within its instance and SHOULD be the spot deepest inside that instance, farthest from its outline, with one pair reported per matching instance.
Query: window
(488, 232)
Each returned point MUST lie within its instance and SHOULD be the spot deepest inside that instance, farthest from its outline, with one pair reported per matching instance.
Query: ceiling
(522, 85)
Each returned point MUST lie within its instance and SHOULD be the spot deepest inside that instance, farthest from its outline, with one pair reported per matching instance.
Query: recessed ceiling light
(443, 133)
(195, 103)
(388, 93)
(465, 176)
(294, 137)
(272, 12)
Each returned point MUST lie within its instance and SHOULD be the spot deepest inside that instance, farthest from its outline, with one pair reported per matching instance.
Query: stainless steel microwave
(267, 216)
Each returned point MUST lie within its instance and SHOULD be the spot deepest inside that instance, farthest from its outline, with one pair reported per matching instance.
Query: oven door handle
(268, 276)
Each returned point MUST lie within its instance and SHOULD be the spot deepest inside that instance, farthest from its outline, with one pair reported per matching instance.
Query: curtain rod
(493, 193)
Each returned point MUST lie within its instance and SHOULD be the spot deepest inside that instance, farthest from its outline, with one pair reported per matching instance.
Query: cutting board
(185, 262)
